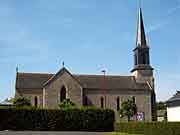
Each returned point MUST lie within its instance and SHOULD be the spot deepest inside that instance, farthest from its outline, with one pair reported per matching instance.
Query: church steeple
(141, 36)
(142, 71)
(141, 51)
(142, 68)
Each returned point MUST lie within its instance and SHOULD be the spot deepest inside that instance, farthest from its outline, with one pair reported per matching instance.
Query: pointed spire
(141, 36)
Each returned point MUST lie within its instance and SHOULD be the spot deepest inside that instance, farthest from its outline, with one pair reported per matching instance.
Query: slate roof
(141, 36)
(176, 97)
(111, 82)
(31, 80)
(36, 80)
(174, 101)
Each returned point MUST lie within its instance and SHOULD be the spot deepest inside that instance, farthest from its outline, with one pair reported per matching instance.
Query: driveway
(47, 133)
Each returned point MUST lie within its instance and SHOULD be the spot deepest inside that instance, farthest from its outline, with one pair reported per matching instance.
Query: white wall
(173, 114)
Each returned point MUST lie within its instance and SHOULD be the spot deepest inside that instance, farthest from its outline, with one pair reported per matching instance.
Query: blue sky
(89, 35)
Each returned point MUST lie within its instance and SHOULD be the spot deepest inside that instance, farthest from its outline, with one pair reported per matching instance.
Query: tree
(161, 105)
(128, 109)
(66, 104)
(165, 116)
(11, 99)
(22, 102)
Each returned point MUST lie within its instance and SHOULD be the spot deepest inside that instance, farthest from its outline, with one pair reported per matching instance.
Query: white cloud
(164, 21)
(157, 26)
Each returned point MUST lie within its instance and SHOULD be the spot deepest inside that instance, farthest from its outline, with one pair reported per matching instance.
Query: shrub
(161, 106)
(21, 102)
(57, 120)
(154, 128)
(67, 104)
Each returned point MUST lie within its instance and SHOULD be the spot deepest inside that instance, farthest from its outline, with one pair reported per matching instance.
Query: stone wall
(51, 92)
(143, 100)
(31, 94)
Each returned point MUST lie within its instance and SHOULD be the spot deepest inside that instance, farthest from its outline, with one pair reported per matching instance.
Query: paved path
(47, 133)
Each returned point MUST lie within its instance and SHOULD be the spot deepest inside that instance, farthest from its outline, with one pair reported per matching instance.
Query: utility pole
(104, 86)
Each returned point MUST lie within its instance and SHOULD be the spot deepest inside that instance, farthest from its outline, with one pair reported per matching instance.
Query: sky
(88, 35)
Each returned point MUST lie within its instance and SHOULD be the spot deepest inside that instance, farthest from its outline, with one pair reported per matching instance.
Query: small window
(36, 101)
(102, 102)
(118, 104)
(85, 101)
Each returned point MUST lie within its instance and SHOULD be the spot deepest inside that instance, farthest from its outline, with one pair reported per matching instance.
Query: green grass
(119, 133)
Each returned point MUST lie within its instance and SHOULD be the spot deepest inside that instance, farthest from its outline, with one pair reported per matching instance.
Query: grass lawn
(119, 133)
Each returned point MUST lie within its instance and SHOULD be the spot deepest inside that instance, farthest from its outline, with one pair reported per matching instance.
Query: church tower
(142, 70)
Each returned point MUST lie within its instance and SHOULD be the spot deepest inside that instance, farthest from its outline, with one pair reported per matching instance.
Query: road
(47, 133)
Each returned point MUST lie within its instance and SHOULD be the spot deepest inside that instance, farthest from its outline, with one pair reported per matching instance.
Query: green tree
(22, 102)
(11, 100)
(128, 109)
(161, 105)
(165, 116)
(67, 104)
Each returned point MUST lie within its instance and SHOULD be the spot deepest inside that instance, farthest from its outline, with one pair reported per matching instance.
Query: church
(102, 91)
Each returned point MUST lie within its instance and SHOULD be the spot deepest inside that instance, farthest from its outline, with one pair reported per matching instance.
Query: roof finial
(63, 64)
(17, 69)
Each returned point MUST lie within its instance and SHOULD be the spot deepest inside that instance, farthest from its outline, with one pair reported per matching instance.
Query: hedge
(57, 120)
(154, 128)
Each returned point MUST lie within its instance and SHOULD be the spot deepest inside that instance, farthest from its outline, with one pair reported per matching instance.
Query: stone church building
(48, 90)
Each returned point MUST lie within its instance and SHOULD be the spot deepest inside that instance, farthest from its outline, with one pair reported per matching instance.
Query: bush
(21, 102)
(57, 120)
(154, 128)
(67, 104)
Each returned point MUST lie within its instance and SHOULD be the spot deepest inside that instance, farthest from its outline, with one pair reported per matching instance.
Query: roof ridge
(41, 73)
(102, 75)
(61, 70)
(33, 73)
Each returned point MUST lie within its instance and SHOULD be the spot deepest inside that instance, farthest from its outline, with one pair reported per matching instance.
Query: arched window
(102, 102)
(35, 101)
(62, 94)
(134, 99)
(118, 104)
(85, 101)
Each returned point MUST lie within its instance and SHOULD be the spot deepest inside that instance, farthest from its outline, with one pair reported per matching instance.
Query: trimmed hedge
(57, 120)
(154, 128)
